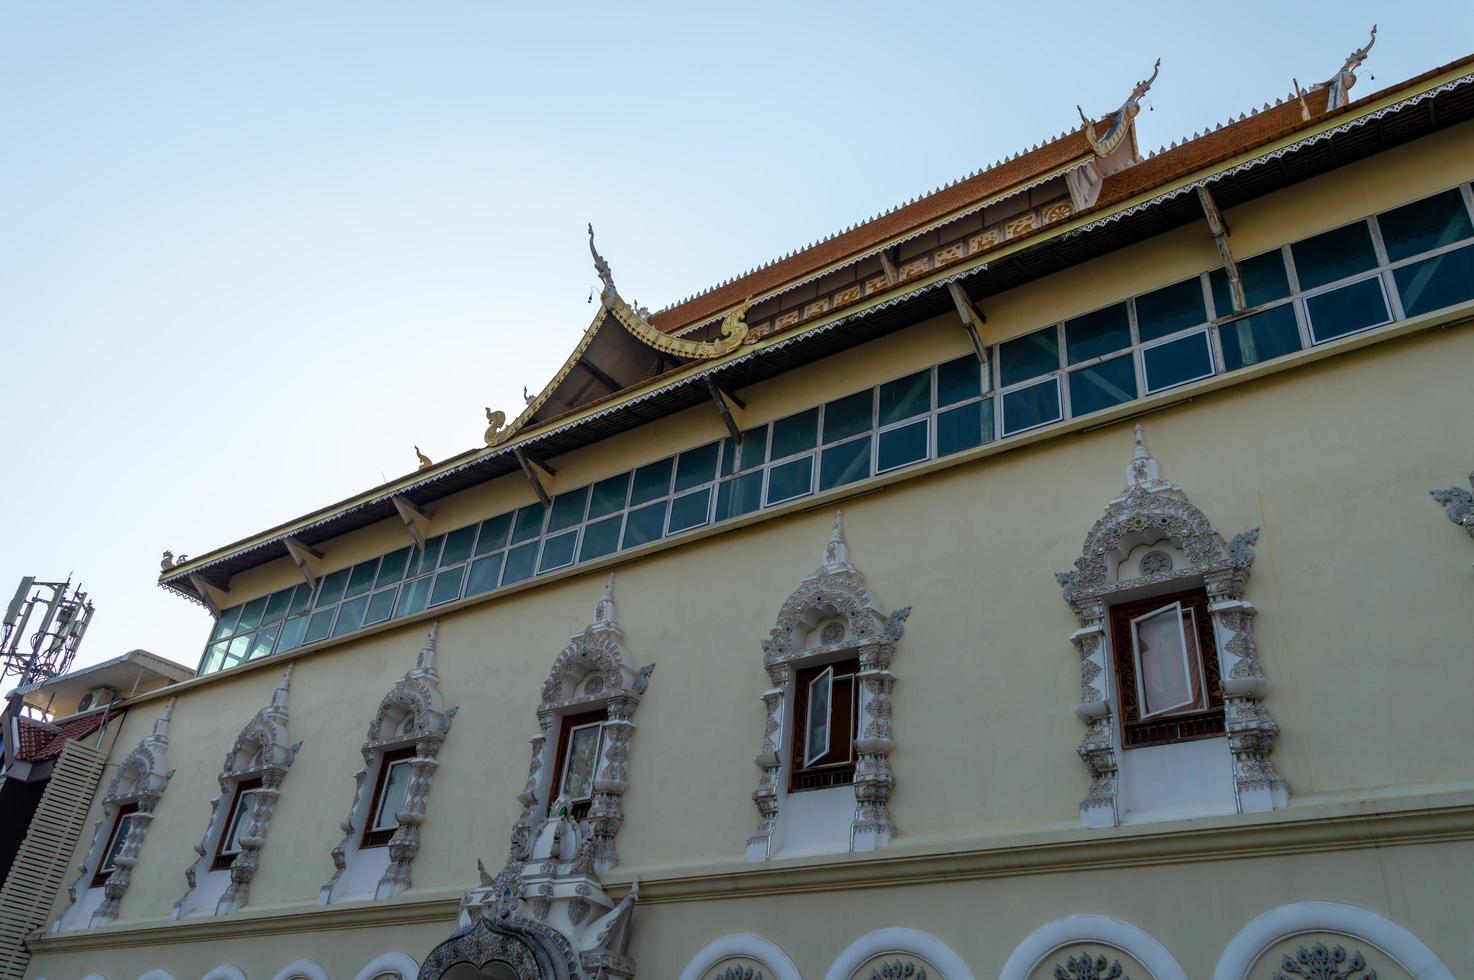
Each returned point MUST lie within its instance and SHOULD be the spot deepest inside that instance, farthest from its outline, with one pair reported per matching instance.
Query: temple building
(1037, 580)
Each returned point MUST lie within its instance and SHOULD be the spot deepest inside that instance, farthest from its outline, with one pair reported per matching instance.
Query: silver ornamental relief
(1084, 967)
(898, 970)
(1319, 963)
(832, 633)
(738, 973)
(1156, 563)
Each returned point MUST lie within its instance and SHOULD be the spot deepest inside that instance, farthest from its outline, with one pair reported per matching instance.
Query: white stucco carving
(1153, 510)
(263, 750)
(545, 913)
(141, 779)
(836, 589)
(1110, 932)
(1406, 949)
(886, 942)
(411, 714)
(776, 963)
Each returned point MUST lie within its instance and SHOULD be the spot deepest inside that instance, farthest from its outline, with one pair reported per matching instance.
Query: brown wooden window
(389, 791)
(825, 709)
(579, 742)
(237, 822)
(1166, 669)
(122, 823)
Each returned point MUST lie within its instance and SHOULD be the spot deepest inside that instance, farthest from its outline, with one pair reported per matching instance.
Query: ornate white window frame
(302, 970)
(141, 779)
(744, 945)
(261, 751)
(546, 914)
(1400, 945)
(1103, 929)
(835, 590)
(1152, 510)
(900, 941)
(401, 966)
(412, 714)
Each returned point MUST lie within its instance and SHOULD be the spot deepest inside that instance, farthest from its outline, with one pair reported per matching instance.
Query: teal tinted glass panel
(447, 585)
(380, 607)
(1346, 310)
(425, 561)
(1025, 408)
(458, 546)
(600, 539)
(361, 579)
(1097, 334)
(609, 495)
(1261, 337)
(412, 596)
(1437, 282)
(567, 509)
(263, 641)
(902, 447)
(301, 600)
(226, 624)
(493, 533)
(213, 659)
(1102, 385)
(528, 523)
(483, 575)
(905, 397)
(276, 606)
(319, 626)
(558, 551)
(697, 466)
(789, 480)
(965, 427)
(1028, 356)
(689, 511)
(848, 416)
(651, 482)
(644, 525)
(350, 616)
(292, 632)
(1177, 362)
(251, 615)
(1264, 279)
(959, 380)
(241, 645)
(845, 463)
(1334, 255)
(752, 452)
(740, 496)
(795, 433)
(1170, 309)
(520, 563)
(1423, 225)
(391, 568)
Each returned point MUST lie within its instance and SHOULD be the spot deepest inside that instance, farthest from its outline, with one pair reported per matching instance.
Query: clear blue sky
(250, 253)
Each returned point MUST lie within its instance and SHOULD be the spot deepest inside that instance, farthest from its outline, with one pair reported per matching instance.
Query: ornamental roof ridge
(1232, 120)
(883, 213)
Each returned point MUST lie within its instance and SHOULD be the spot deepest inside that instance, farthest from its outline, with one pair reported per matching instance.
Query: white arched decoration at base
(1407, 950)
(745, 945)
(398, 964)
(99, 976)
(1091, 929)
(303, 970)
(157, 975)
(225, 971)
(897, 940)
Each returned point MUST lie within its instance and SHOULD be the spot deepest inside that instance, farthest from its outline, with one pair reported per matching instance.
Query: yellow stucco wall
(1366, 609)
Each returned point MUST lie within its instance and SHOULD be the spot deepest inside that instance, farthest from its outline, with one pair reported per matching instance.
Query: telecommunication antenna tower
(47, 652)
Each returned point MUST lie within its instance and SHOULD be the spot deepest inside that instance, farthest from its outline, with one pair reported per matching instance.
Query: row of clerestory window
(1400, 263)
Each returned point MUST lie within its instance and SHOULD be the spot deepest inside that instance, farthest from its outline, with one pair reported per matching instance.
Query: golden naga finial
(1341, 82)
(601, 266)
(1120, 119)
(495, 421)
(425, 462)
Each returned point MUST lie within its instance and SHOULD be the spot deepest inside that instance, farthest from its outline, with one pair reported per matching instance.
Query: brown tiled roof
(979, 187)
(34, 735)
(40, 741)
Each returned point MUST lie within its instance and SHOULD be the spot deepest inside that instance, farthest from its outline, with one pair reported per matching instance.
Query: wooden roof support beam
(888, 265)
(536, 473)
(416, 521)
(599, 375)
(728, 406)
(212, 596)
(1219, 228)
(972, 320)
(302, 556)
